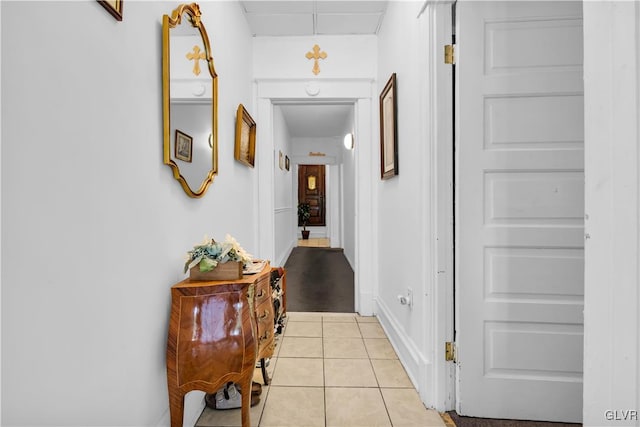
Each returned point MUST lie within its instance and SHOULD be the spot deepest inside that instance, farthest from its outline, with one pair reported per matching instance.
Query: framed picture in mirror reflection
(183, 146)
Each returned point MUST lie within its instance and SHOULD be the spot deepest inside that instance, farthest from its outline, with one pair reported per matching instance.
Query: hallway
(333, 369)
(319, 280)
(87, 146)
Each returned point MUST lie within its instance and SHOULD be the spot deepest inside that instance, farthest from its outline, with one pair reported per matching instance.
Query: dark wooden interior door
(311, 190)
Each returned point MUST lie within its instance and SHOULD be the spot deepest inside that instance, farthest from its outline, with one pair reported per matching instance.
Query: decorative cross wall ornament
(196, 55)
(315, 55)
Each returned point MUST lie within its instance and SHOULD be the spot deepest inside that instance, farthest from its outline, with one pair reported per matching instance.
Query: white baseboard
(365, 304)
(350, 261)
(283, 259)
(314, 232)
(409, 354)
(193, 406)
(165, 420)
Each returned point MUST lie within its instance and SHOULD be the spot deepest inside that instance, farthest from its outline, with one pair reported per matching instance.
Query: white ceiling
(313, 17)
(308, 18)
(318, 120)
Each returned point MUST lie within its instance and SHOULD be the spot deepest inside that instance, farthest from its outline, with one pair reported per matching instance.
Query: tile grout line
(268, 391)
(260, 416)
(324, 375)
(274, 366)
(379, 387)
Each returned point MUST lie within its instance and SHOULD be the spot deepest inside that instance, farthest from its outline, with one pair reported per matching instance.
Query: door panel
(311, 189)
(520, 179)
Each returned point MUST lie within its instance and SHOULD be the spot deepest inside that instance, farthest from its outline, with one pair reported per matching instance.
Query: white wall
(94, 227)
(404, 201)
(612, 222)
(348, 171)
(348, 193)
(284, 57)
(330, 147)
(285, 206)
(334, 206)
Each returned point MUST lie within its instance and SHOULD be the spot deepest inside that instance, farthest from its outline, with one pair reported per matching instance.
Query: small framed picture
(245, 146)
(388, 130)
(114, 7)
(286, 162)
(184, 146)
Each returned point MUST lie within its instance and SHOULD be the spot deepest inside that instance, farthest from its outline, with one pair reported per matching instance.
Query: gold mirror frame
(194, 17)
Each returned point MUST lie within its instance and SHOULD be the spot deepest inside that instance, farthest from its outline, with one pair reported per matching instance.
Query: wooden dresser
(217, 331)
(264, 320)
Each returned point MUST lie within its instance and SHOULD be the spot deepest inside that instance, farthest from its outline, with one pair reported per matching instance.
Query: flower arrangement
(211, 253)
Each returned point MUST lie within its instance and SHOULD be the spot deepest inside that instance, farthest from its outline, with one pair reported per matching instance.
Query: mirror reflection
(193, 154)
(189, 100)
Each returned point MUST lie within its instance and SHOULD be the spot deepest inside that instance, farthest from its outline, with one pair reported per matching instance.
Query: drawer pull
(260, 294)
(265, 315)
(264, 337)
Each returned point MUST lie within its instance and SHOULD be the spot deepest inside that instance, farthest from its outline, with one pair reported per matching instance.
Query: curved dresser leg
(176, 408)
(246, 402)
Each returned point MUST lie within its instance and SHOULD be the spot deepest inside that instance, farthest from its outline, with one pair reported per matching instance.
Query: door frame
(270, 92)
(444, 375)
(334, 200)
(440, 387)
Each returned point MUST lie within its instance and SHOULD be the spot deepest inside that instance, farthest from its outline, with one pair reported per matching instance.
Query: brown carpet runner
(319, 280)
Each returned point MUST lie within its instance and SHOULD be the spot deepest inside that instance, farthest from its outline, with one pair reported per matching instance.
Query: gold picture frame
(183, 146)
(389, 130)
(187, 17)
(245, 145)
(114, 7)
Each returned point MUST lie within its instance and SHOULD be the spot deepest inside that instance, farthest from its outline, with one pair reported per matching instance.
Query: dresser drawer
(263, 290)
(264, 316)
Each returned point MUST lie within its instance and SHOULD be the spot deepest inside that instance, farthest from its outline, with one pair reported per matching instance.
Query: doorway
(358, 93)
(311, 190)
(519, 210)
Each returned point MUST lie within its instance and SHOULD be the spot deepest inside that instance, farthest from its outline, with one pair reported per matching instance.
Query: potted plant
(303, 217)
(213, 260)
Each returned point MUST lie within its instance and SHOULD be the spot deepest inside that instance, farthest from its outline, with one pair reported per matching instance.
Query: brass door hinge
(449, 54)
(450, 352)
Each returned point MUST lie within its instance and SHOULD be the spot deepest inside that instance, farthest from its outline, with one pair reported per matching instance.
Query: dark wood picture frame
(287, 162)
(389, 129)
(183, 146)
(245, 145)
(114, 7)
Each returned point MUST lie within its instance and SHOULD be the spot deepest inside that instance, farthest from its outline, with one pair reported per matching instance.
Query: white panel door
(520, 195)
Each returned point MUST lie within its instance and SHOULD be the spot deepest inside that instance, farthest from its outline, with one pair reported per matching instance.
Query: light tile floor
(333, 370)
(314, 242)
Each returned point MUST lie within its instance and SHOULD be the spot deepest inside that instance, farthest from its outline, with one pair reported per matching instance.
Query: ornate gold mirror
(189, 100)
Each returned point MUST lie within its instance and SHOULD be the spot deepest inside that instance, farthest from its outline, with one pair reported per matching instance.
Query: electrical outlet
(410, 297)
